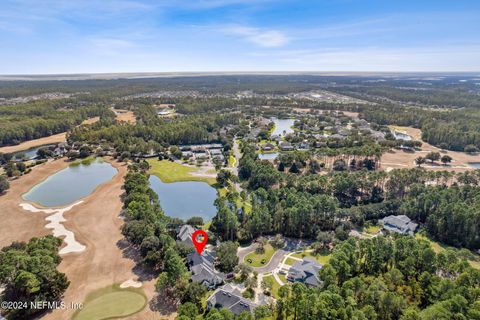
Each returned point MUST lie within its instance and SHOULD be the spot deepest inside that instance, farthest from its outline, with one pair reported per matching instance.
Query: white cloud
(106, 45)
(260, 37)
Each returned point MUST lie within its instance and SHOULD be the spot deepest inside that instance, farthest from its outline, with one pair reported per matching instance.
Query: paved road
(291, 245)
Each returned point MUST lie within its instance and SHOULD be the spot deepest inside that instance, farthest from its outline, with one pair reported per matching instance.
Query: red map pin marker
(199, 245)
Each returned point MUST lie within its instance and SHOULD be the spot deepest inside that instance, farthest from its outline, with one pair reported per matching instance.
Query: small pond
(282, 126)
(70, 184)
(185, 199)
(401, 136)
(268, 156)
(30, 153)
(475, 165)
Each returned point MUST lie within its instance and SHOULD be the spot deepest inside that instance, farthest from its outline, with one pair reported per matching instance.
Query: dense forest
(303, 205)
(384, 278)
(38, 119)
(28, 272)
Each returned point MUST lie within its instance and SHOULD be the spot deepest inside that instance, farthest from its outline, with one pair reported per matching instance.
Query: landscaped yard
(112, 302)
(321, 258)
(274, 284)
(169, 171)
(255, 260)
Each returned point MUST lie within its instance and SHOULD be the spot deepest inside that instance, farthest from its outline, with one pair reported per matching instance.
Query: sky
(106, 36)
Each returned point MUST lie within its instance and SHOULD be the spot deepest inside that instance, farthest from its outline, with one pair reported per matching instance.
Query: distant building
(286, 146)
(203, 269)
(231, 299)
(268, 147)
(305, 271)
(399, 224)
(185, 234)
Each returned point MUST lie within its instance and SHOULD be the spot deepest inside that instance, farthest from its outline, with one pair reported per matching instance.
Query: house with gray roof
(231, 299)
(305, 271)
(184, 235)
(203, 269)
(399, 224)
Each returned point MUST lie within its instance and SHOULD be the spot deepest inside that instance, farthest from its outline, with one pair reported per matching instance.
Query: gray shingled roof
(223, 298)
(399, 224)
(185, 234)
(203, 270)
(305, 271)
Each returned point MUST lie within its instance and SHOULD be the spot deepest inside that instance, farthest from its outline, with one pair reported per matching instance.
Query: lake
(70, 184)
(185, 199)
(31, 153)
(282, 126)
(475, 165)
(268, 156)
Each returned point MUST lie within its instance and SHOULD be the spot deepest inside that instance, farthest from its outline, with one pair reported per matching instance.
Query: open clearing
(123, 115)
(258, 258)
(321, 258)
(169, 171)
(398, 159)
(95, 224)
(56, 138)
(112, 302)
(274, 285)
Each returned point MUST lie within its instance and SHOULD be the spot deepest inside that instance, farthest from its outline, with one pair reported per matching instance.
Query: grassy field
(321, 258)
(372, 229)
(437, 247)
(169, 172)
(274, 284)
(112, 302)
(257, 258)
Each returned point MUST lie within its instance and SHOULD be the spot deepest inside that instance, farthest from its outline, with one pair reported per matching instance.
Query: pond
(282, 126)
(30, 153)
(401, 136)
(70, 184)
(268, 156)
(475, 165)
(185, 199)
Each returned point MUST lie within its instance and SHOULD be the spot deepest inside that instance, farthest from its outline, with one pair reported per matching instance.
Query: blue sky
(85, 36)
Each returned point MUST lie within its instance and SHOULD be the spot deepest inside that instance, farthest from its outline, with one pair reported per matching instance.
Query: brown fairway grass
(397, 159)
(106, 260)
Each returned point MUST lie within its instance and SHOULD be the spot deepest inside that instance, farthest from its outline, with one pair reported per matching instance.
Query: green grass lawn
(275, 285)
(437, 247)
(231, 161)
(257, 258)
(283, 278)
(169, 171)
(290, 261)
(321, 258)
(112, 302)
(372, 229)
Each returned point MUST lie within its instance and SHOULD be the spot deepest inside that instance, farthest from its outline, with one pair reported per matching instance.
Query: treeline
(28, 273)
(304, 205)
(43, 118)
(144, 138)
(457, 130)
(386, 279)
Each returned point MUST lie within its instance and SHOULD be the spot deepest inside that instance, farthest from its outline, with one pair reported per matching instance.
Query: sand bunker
(131, 284)
(56, 218)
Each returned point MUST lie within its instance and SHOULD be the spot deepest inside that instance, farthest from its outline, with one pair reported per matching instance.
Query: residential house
(231, 299)
(268, 147)
(203, 269)
(399, 224)
(185, 234)
(286, 146)
(305, 271)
